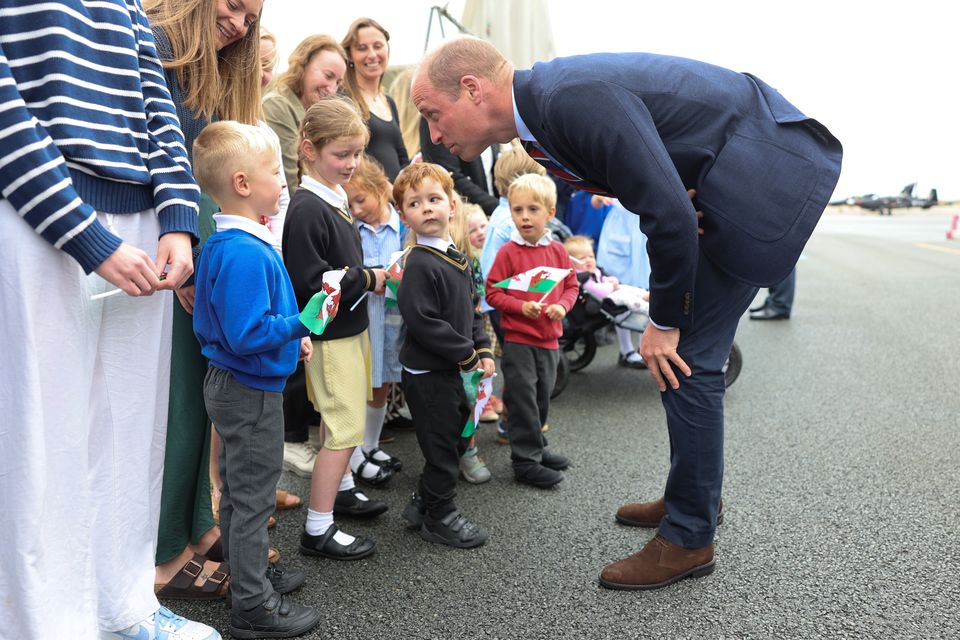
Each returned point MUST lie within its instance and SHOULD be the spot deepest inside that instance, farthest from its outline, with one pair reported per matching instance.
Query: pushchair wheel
(563, 377)
(580, 352)
(731, 369)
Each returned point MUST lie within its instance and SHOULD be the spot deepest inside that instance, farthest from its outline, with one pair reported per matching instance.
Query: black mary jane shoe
(383, 474)
(348, 503)
(326, 546)
(391, 462)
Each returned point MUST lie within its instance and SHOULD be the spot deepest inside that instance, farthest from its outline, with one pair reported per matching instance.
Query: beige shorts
(338, 385)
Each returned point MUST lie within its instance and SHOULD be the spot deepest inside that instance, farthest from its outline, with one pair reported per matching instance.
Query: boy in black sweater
(444, 336)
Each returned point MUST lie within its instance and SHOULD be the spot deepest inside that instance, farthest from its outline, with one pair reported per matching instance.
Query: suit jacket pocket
(758, 186)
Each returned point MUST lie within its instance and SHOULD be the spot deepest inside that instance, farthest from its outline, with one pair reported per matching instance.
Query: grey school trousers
(528, 377)
(250, 424)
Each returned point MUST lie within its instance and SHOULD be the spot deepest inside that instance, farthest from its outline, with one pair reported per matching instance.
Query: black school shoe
(326, 547)
(414, 511)
(538, 476)
(278, 617)
(285, 580)
(453, 530)
(347, 503)
(391, 462)
(554, 461)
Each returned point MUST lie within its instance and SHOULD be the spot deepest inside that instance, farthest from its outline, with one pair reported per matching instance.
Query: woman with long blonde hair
(314, 71)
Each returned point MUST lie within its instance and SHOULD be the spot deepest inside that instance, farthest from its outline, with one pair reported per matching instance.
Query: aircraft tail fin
(908, 190)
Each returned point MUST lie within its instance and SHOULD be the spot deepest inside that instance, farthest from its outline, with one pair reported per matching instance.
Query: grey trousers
(529, 374)
(250, 424)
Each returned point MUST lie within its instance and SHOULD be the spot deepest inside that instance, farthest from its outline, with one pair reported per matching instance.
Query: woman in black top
(368, 53)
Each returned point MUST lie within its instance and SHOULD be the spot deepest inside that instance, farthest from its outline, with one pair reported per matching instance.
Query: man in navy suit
(646, 128)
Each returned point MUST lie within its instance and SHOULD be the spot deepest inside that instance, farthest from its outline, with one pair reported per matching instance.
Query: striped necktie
(555, 168)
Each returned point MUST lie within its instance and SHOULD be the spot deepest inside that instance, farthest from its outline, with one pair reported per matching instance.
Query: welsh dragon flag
(538, 279)
(394, 276)
(324, 304)
(478, 394)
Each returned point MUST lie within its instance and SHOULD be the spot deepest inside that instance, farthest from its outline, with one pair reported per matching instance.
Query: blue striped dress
(385, 322)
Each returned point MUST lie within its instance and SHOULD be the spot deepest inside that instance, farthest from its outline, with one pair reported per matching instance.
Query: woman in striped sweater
(94, 177)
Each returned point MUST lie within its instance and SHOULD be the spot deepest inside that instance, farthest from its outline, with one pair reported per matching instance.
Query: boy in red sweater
(531, 324)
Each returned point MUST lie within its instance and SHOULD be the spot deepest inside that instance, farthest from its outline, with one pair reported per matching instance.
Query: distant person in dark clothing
(779, 300)
(368, 52)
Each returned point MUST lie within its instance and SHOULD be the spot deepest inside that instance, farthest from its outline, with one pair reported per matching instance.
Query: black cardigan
(437, 299)
(318, 238)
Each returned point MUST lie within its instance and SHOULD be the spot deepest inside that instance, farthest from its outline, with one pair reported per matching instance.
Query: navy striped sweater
(87, 124)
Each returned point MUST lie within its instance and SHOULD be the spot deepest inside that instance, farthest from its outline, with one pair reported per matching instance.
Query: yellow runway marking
(936, 247)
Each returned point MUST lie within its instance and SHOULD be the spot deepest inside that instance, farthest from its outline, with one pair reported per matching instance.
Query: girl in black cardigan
(319, 237)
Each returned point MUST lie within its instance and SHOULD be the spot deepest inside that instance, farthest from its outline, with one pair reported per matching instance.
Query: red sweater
(515, 258)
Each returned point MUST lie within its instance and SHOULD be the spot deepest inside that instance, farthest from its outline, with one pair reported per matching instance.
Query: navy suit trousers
(695, 410)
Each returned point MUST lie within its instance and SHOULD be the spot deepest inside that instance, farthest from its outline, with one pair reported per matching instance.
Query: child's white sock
(373, 428)
(319, 521)
(347, 483)
(356, 459)
(626, 340)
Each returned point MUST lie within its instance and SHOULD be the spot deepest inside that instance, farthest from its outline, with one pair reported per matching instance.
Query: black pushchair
(578, 344)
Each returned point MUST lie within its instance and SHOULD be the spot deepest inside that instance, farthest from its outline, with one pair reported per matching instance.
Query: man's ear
(240, 184)
(472, 88)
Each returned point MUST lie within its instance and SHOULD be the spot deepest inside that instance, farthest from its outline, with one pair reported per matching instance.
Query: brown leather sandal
(286, 500)
(183, 586)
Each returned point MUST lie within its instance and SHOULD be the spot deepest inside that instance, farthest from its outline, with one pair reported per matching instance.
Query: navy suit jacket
(645, 128)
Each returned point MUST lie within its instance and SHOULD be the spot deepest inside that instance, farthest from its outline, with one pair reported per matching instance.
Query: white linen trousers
(83, 407)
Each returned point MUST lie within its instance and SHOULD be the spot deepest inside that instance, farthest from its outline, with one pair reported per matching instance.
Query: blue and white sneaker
(164, 625)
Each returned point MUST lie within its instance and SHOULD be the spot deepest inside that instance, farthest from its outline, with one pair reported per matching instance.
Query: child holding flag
(444, 336)
(321, 246)
(380, 235)
(533, 284)
(246, 320)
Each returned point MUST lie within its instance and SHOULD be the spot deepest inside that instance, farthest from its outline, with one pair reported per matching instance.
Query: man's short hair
(541, 188)
(225, 147)
(465, 55)
(513, 163)
(413, 175)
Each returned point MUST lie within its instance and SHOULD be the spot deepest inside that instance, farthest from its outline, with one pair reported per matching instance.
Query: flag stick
(386, 268)
(106, 294)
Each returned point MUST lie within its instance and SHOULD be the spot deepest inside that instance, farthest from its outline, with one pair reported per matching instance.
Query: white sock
(374, 427)
(357, 458)
(347, 483)
(318, 522)
(626, 340)
(633, 357)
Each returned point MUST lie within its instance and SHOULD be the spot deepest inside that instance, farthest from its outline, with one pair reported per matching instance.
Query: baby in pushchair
(603, 299)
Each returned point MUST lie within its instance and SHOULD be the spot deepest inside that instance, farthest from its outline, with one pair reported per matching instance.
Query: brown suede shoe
(657, 565)
(649, 514)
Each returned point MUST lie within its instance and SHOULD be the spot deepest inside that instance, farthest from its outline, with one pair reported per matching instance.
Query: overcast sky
(882, 76)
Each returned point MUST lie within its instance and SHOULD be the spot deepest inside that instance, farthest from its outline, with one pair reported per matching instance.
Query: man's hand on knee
(659, 350)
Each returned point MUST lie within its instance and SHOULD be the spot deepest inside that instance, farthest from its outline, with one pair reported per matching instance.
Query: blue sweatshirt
(245, 312)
